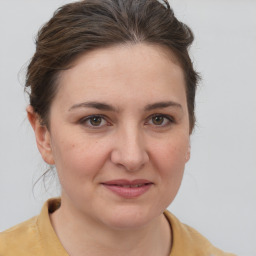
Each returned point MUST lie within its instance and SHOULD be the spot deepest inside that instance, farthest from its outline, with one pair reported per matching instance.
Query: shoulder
(188, 241)
(35, 236)
(20, 237)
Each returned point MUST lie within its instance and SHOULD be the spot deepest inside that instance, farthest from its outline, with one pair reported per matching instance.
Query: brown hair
(82, 26)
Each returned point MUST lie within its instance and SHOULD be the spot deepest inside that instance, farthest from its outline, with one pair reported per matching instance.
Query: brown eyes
(160, 120)
(157, 120)
(99, 121)
(95, 120)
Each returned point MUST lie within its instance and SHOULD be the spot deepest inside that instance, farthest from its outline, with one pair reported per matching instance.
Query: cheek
(77, 158)
(170, 160)
(171, 166)
(171, 153)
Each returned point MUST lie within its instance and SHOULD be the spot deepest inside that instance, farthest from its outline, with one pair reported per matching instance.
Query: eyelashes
(95, 121)
(101, 121)
(160, 120)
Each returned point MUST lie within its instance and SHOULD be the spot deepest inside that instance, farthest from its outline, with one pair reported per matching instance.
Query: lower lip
(128, 192)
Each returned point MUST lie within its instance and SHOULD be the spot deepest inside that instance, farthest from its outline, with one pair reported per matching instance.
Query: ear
(43, 138)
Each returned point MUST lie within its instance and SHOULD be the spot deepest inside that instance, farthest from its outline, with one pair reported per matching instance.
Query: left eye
(160, 120)
(94, 121)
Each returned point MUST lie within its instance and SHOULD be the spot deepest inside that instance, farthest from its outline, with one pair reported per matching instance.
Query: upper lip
(127, 182)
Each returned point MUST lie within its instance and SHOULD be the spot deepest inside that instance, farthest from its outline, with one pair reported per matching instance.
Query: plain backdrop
(218, 193)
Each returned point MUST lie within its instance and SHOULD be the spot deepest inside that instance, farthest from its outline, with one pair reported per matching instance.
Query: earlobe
(43, 138)
(187, 157)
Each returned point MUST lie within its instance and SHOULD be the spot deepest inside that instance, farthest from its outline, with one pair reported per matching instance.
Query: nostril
(129, 161)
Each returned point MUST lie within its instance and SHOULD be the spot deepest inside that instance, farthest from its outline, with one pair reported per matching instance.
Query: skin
(126, 142)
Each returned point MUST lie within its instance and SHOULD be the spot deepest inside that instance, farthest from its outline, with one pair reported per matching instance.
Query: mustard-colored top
(36, 237)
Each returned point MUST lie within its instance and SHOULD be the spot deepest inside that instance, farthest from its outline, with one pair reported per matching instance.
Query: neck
(83, 236)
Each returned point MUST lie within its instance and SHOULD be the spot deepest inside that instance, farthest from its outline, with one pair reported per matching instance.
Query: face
(119, 134)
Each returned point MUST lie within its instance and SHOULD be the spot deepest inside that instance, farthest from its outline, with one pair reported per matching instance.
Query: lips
(129, 186)
(128, 189)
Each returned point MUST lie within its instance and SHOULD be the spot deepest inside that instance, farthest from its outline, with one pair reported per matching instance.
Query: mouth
(128, 189)
(131, 186)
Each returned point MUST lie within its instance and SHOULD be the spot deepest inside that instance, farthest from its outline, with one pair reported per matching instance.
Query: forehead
(143, 50)
(126, 72)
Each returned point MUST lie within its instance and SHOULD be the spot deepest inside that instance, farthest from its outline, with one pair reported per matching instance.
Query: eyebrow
(162, 104)
(94, 104)
(107, 107)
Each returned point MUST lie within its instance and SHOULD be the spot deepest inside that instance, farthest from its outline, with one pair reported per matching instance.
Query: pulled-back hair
(83, 26)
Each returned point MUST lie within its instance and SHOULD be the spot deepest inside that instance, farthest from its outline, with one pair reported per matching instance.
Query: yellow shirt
(36, 237)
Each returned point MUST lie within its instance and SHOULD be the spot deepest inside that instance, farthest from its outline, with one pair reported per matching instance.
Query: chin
(129, 218)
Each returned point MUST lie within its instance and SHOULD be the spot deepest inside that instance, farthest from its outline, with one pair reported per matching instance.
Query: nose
(130, 150)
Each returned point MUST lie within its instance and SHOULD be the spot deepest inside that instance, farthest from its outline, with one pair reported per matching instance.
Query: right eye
(94, 121)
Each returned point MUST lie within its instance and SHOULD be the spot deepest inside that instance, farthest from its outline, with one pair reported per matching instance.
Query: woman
(112, 92)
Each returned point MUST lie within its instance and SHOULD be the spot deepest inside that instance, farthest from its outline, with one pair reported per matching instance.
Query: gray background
(218, 193)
